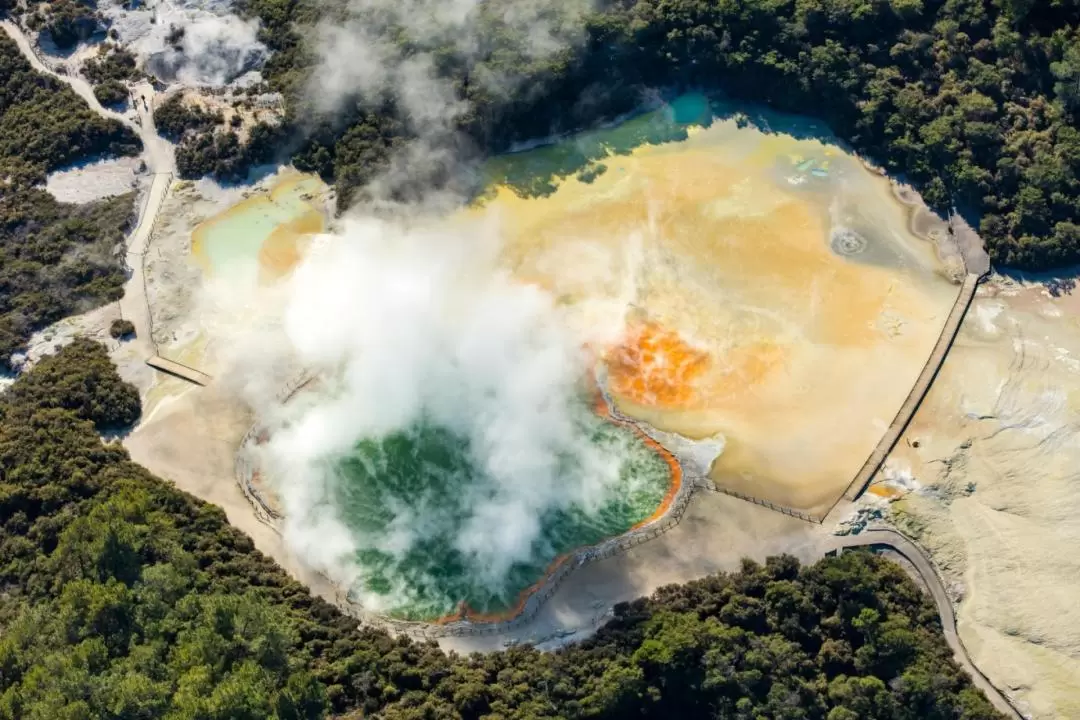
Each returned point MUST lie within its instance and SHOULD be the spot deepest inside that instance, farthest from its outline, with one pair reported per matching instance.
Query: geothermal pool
(389, 482)
(271, 229)
(736, 278)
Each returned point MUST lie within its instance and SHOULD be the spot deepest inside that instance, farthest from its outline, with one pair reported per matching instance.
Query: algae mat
(773, 291)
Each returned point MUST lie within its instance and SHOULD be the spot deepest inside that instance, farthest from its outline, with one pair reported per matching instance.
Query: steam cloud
(422, 325)
(196, 42)
(417, 324)
(358, 56)
(362, 58)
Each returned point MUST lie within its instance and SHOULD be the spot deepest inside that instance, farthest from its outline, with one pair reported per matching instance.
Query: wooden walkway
(918, 390)
(179, 370)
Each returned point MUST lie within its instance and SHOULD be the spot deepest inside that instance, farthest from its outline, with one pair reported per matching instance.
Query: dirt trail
(80, 86)
(159, 156)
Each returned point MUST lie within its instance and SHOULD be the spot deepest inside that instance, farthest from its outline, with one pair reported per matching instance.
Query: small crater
(845, 241)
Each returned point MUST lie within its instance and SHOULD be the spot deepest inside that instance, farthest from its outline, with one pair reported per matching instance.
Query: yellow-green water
(267, 231)
(428, 474)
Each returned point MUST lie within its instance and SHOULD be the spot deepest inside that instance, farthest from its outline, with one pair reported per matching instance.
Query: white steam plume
(375, 49)
(359, 57)
(417, 325)
(196, 42)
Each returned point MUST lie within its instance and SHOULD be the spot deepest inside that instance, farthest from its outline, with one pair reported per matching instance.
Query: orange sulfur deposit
(654, 366)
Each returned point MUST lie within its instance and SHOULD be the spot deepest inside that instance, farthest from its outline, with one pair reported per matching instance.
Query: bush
(175, 120)
(111, 92)
(70, 21)
(112, 63)
(83, 380)
(122, 329)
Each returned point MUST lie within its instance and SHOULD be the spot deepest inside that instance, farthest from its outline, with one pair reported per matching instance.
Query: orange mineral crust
(751, 285)
(655, 366)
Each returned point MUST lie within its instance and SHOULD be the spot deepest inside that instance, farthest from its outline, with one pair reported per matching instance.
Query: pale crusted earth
(96, 180)
(994, 456)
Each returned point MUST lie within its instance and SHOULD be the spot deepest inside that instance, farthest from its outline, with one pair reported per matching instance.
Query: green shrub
(55, 258)
(121, 329)
(111, 92)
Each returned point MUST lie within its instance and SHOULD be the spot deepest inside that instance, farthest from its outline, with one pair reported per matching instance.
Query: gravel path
(891, 539)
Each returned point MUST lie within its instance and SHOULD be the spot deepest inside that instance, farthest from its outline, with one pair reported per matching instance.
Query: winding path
(159, 158)
(895, 541)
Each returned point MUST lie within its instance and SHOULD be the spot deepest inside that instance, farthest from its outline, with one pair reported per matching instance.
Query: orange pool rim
(600, 407)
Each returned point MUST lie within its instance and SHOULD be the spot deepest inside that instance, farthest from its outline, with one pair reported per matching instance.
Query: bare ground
(993, 454)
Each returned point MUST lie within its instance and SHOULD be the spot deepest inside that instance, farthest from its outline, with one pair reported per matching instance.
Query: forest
(976, 102)
(55, 259)
(125, 598)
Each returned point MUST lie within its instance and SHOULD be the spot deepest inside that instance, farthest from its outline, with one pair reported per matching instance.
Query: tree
(1067, 74)
(121, 328)
(111, 92)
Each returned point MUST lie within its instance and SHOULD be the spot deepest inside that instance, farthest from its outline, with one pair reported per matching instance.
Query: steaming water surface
(426, 479)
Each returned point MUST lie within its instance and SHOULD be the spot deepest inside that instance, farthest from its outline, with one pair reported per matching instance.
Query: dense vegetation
(55, 259)
(108, 71)
(175, 119)
(126, 598)
(111, 92)
(112, 63)
(976, 102)
(206, 151)
(66, 21)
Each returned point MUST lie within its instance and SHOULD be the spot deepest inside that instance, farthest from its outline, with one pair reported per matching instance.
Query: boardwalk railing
(918, 390)
(146, 251)
(767, 504)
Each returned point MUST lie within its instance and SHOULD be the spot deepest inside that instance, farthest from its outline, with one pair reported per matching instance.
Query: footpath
(159, 156)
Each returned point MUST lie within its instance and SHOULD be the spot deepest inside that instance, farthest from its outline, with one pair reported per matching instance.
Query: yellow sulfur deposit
(767, 288)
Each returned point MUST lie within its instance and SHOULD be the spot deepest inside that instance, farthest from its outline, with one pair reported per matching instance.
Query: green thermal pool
(424, 482)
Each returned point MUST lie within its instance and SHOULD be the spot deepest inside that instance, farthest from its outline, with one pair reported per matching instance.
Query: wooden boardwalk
(179, 370)
(918, 390)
